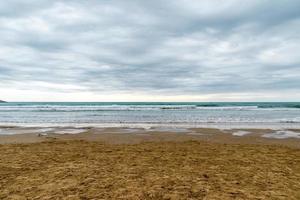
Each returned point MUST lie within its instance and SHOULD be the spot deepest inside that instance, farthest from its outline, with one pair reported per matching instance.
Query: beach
(129, 150)
(149, 100)
(127, 163)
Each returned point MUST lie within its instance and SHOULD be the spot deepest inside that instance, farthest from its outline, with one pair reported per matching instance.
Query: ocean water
(130, 114)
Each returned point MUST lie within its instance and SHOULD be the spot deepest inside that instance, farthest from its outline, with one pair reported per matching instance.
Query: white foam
(42, 130)
(13, 131)
(96, 107)
(70, 131)
(282, 134)
(241, 133)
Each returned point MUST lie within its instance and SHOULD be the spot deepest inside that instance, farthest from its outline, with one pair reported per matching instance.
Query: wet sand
(117, 163)
(136, 135)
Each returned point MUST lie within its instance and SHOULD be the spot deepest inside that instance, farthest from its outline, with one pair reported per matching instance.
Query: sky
(139, 50)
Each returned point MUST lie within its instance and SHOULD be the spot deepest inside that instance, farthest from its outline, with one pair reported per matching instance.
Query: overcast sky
(140, 50)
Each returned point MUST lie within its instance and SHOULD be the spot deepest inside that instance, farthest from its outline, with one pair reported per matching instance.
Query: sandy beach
(149, 100)
(116, 163)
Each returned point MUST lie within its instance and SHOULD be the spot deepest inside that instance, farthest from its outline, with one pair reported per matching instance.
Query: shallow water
(282, 134)
(241, 133)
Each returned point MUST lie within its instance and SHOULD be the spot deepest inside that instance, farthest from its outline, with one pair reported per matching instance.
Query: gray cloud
(179, 47)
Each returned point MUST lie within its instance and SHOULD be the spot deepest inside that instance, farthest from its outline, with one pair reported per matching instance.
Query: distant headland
(2, 101)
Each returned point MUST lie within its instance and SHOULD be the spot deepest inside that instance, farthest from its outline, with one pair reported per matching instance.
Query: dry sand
(117, 164)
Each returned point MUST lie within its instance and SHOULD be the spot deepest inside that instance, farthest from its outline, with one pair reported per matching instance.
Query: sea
(152, 114)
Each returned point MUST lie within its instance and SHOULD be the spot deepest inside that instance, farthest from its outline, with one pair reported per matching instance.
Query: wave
(280, 106)
(126, 108)
(93, 108)
(117, 108)
(293, 120)
(72, 107)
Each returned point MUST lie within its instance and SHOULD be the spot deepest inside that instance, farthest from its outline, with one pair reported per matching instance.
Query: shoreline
(113, 135)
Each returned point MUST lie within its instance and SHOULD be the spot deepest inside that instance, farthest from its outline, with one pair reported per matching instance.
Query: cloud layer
(209, 48)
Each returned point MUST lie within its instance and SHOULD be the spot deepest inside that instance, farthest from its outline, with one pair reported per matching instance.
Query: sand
(111, 164)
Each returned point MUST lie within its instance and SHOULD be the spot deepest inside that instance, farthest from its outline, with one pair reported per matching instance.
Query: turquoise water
(189, 114)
